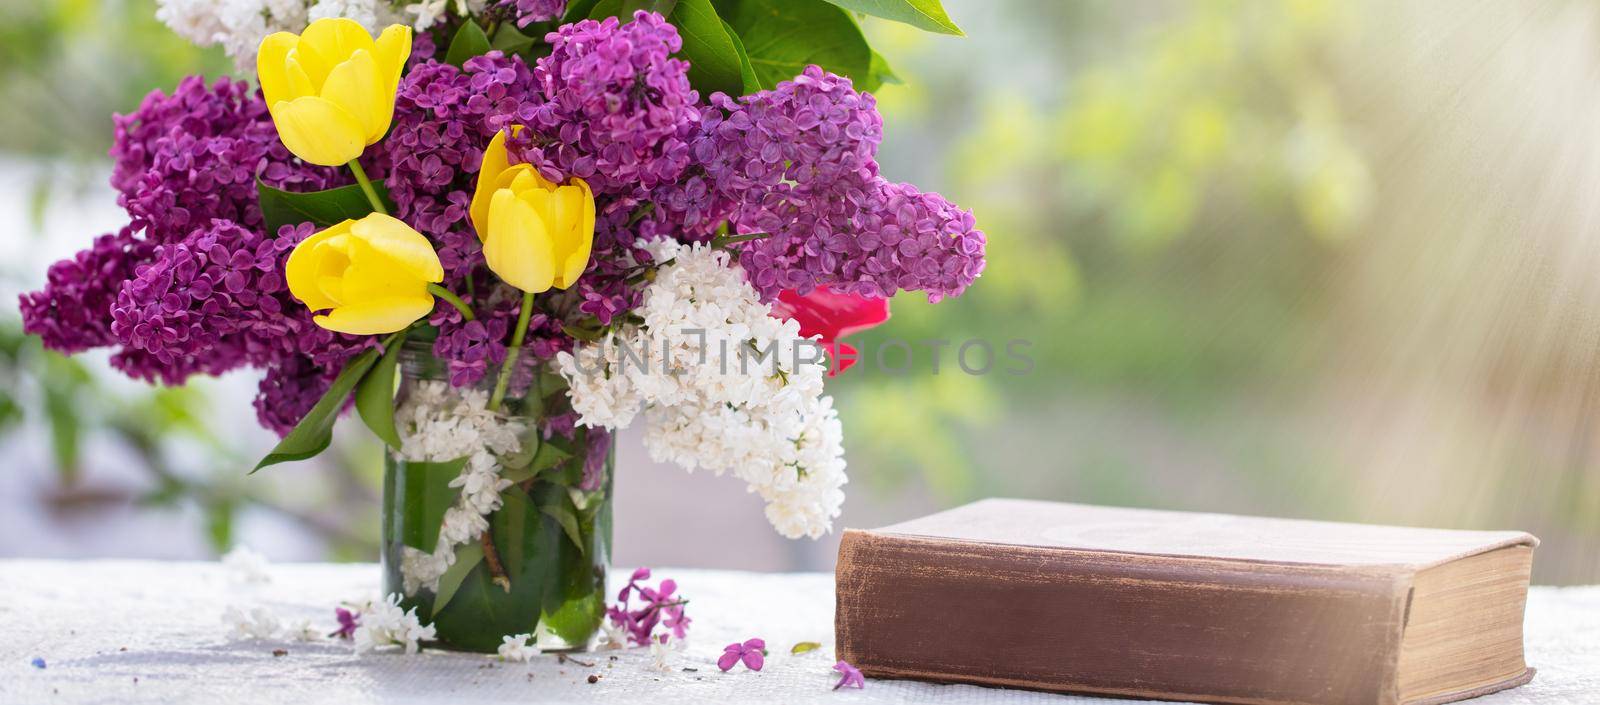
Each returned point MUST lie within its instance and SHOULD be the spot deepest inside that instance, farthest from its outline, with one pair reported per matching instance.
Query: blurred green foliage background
(1267, 257)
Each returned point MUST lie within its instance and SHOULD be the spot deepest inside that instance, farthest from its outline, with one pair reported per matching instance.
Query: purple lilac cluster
(527, 12)
(799, 163)
(71, 313)
(217, 300)
(617, 107)
(184, 159)
(660, 605)
(195, 285)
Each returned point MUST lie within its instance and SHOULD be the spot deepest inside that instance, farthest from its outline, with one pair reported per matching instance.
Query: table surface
(142, 631)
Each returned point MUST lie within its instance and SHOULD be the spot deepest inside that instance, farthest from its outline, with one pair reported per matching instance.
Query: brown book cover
(1185, 606)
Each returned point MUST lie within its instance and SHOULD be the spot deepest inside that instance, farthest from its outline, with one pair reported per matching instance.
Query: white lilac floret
(384, 623)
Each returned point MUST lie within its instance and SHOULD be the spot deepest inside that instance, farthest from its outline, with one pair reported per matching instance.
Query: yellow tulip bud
(535, 234)
(370, 275)
(331, 89)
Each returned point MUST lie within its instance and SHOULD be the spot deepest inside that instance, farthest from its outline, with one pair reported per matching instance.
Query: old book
(1182, 606)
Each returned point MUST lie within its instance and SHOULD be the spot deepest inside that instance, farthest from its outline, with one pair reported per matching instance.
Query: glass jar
(496, 523)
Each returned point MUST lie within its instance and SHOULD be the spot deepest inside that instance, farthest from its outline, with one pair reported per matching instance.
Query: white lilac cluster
(383, 623)
(260, 623)
(723, 385)
(240, 25)
(518, 647)
(426, 13)
(439, 423)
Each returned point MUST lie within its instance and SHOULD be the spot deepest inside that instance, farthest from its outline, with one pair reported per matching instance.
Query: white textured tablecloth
(137, 632)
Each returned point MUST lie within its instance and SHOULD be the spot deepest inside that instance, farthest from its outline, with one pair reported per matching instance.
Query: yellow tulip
(331, 89)
(535, 234)
(371, 275)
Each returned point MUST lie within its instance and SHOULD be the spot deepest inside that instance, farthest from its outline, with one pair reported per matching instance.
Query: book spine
(1123, 624)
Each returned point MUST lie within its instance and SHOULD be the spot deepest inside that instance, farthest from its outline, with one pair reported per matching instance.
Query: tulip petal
(408, 248)
(305, 267)
(373, 276)
(495, 161)
(319, 131)
(577, 257)
(377, 316)
(357, 86)
(392, 50)
(300, 82)
(336, 39)
(271, 61)
(315, 65)
(518, 246)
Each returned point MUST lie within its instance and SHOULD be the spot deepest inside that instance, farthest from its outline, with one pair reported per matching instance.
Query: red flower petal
(831, 315)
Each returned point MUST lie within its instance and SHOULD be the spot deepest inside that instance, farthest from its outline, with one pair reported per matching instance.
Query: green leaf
(469, 41)
(510, 527)
(545, 455)
(375, 394)
(573, 599)
(624, 9)
(922, 14)
(324, 208)
(511, 41)
(481, 612)
(782, 37)
(660, 7)
(582, 333)
(804, 647)
(312, 435)
(714, 59)
(425, 496)
(881, 73)
(577, 10)
(567, 470)
(566, 515)
(467, 558)
(747, 72)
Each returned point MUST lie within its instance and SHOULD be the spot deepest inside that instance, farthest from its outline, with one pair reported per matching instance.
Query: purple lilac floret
(849, 676)
(660, 605)
(348, 621)
(751, 652)
(527, 12)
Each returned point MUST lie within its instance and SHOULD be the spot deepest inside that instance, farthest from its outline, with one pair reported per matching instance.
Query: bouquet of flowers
(501, 231)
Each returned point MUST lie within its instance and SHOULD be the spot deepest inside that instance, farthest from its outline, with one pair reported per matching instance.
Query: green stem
(640, 213)
(511, 355)
(366, 187)
(447, 295)
(726, 240)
